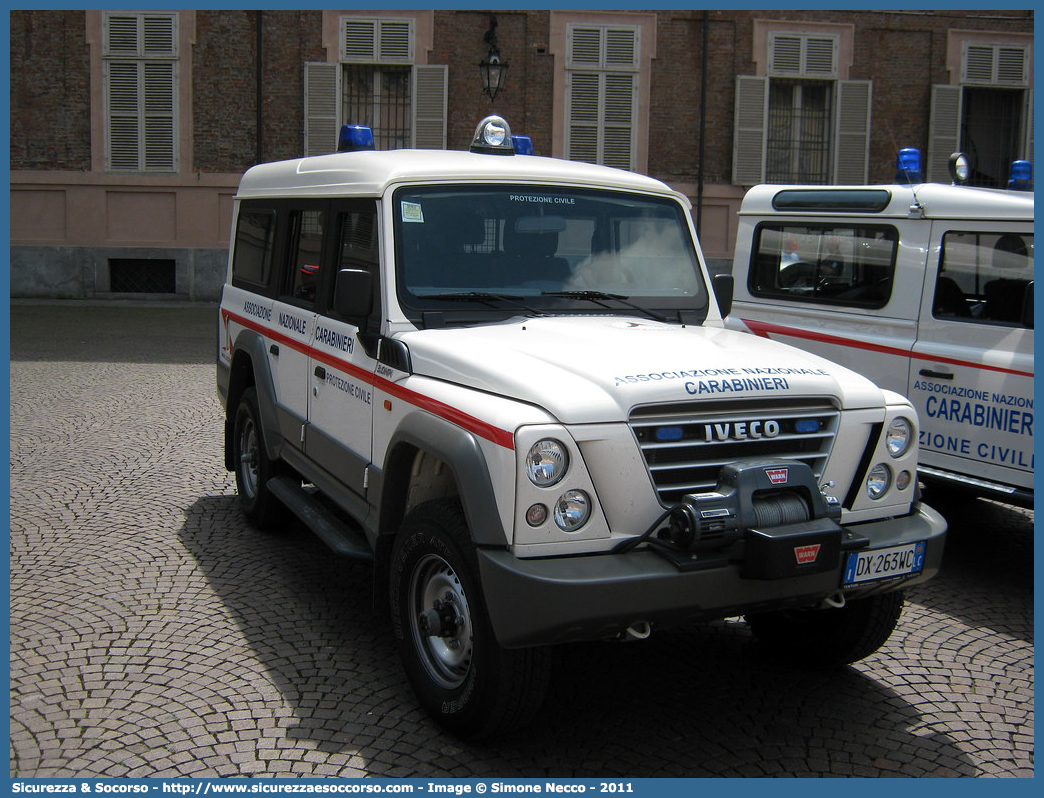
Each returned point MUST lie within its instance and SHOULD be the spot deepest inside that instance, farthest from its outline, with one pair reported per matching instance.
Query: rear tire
(829, 637)
(254, 469)
(462, 677)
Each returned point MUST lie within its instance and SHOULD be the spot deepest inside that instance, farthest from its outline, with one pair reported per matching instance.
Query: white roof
(938, 201)
(370, 172)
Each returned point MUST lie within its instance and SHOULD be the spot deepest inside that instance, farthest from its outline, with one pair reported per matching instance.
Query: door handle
(274, 350)
(939, 375)
(320, 372)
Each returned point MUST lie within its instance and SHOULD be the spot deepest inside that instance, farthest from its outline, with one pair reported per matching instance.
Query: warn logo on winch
(777, 476)
(807, 554)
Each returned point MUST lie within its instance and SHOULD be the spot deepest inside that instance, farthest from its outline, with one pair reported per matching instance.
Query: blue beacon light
(908, 166)
(355, 137)
(523, 145)
(1021, 176)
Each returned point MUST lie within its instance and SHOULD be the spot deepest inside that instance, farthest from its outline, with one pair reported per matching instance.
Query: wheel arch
(421, 437)
(250, 368)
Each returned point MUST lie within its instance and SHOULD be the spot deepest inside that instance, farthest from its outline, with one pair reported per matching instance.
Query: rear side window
(985, 277)
(305, 254)
(847, 265)
(252, 258)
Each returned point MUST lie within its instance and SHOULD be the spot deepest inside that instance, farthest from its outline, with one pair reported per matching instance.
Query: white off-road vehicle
(925, 288)
(505, 380)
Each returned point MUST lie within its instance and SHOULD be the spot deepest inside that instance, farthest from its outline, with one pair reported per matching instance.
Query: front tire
(829, 637)
(254, 469)
(462, 677)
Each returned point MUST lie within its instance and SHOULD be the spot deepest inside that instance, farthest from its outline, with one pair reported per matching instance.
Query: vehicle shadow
(986, 578)
(693, 703)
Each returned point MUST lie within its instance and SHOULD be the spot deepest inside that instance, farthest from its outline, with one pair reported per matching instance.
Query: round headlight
(546, 462)
(572, 510)
(898, 437)
(878, 481)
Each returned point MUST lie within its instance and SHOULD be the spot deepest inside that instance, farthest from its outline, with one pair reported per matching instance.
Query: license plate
(876, 564)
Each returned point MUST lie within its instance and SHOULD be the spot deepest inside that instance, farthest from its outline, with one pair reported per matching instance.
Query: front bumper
(542, 601)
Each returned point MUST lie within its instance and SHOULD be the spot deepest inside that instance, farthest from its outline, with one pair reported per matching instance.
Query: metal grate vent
(685, 446)
(141, 276)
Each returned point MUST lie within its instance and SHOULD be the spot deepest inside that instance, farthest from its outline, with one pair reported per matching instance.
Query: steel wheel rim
(447, 659)
(248, 457)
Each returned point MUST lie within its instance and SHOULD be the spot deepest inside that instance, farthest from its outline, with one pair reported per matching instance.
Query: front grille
(686, 445)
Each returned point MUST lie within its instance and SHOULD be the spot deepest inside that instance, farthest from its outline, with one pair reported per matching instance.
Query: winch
(769, 516)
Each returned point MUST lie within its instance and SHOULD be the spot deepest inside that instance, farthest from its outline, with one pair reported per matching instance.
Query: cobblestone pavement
(153, 633)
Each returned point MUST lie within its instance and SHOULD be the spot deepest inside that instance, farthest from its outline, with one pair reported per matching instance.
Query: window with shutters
(376, 83)
(798, 135)
(378, 97)
(801, 122)
(602, 94)
(140, 70)
(988, 116)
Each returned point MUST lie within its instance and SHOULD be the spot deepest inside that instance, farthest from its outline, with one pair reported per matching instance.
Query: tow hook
(640, 630)
(833, 601)
(442, 620)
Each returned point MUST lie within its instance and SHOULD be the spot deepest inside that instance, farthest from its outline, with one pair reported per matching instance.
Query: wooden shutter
(321, 108)
(376, 41)
(429, 106)
(602, 94)
(140, 71)
(395, 41)
(944, 132)
(358, 40)
(582, 107)
(123, 122)
(121, 36)
(802, 55)
(619, 93)
(748, 146)
(994, 65)
(159, 104)
(852, 132)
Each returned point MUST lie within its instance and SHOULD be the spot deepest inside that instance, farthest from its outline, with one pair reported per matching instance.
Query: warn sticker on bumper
(777, 476)
(807, 554)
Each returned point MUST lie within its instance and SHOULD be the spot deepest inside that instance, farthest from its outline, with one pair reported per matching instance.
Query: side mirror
(723, 285)
(1027, 306)
(353, 293)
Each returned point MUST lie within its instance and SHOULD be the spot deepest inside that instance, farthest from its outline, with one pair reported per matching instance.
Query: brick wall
(224, 90)
(50, 91)
(903, 54)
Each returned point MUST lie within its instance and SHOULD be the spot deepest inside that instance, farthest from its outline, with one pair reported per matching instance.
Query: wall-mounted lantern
(492, 68)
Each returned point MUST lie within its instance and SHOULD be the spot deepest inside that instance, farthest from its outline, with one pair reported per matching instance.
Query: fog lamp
(572, 510)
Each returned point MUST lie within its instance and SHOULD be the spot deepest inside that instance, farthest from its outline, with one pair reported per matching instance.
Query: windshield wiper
(600, 298)
(485, 297)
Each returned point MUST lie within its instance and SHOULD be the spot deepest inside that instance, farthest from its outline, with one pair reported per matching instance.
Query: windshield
(543, 248)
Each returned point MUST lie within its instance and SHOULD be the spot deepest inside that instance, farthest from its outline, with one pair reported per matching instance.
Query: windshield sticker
(543, 200)
(411, 212)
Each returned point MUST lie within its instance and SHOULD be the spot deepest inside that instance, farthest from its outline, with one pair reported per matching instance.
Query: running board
(333, 531)
(1019, 497)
